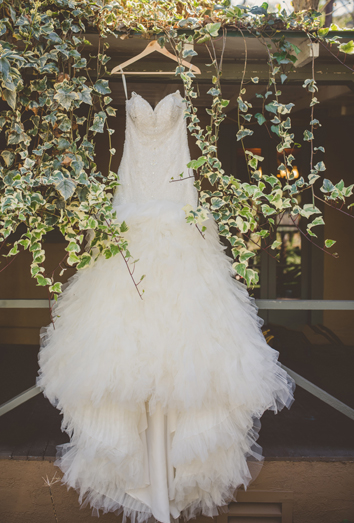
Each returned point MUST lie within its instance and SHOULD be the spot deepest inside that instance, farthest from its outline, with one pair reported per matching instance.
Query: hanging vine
(56, 98)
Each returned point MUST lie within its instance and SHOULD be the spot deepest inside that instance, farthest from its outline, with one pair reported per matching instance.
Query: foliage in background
(56, 99)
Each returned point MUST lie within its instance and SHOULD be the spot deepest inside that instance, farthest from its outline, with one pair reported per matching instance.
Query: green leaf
(242, 133)
(214, 91)
(320, 166)
(285, 109)
(267, 210)
(329, 243)
(42, 281)
(79, 64)
(272, 107)
(195, 164)
(313, 178)
(260, 118)
(65, 98)
(308, 210)
(73, 247)
(240, 269)
(3, 28)
(323, 31)
(101, 86)
(10, 97)
(63, 143)
(4, 67)
(189, 52)
(98, 122)
(55, 38)
(72, 259)
(255, 79)
(213, 29)
(8, 157)
(114, 249)
(110, 111)
(92, 223)
(65, 125)
(272, 180)
(123, 227)
(224, 103)
(241, 105)
(56, 287)
(296, 48)
(245, 256)
(275, 244)
(347, 48)
(85, 95)
(251, 277)
(259, 10)
(84, 261)
(317, 221)
(327, 186)
(66, 188)
(308, 136)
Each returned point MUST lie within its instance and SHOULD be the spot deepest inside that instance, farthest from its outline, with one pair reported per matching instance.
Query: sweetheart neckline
(153, 109)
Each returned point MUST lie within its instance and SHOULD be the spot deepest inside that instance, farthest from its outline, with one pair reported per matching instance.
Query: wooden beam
(289, 305)
(325, 93)
(232, 72)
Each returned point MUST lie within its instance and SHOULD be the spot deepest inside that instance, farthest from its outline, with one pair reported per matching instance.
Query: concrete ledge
(4, 455)
(322, 492)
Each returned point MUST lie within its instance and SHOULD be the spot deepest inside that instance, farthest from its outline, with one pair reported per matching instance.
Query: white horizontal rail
(305, 305)
(285, 305)
(24, 304)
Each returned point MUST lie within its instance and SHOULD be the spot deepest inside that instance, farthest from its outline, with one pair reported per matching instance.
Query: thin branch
(335, 208)
(312, 116)
(224, 35)
(260, 246)
(238, 107)
(14, 257)
(201, 233)
(309, 239)
(49, 483)
(335, 56)
(182, 179)
(131, 274)
(50, 296)
(127, 264)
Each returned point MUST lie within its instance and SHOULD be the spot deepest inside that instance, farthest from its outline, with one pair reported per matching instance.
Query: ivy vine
(56, 98)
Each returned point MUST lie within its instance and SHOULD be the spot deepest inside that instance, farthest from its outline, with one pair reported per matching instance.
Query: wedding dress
(161, 396)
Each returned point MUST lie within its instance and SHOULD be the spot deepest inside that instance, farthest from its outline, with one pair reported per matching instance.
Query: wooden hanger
(150, 48)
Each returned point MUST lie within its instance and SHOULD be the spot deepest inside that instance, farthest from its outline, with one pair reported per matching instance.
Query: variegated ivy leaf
(65, 98)
(329, 243)
(242, 133)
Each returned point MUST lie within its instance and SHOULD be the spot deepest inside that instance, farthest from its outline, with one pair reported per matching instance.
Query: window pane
(288, 272)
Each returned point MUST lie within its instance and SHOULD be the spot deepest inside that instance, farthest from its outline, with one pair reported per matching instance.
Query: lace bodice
(155, 151)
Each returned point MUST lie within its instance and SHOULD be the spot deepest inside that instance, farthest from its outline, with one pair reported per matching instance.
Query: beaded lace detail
(155, 151)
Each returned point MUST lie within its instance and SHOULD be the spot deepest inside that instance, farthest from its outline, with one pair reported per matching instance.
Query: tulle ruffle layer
(191, 351)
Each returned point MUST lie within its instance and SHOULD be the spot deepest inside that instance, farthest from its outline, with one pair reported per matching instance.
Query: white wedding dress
(162, 396)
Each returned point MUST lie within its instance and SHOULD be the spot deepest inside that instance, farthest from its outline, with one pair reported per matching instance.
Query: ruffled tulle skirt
(161, 396)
